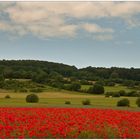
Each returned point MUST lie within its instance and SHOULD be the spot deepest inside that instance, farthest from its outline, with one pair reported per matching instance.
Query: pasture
(58, 98)
(110, 88)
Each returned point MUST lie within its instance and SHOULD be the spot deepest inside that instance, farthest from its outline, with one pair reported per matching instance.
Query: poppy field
(68, 123)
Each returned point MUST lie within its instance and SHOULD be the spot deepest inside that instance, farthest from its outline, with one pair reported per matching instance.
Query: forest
(20, 75)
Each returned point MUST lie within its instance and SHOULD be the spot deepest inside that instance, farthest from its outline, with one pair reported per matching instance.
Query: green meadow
(58, 98)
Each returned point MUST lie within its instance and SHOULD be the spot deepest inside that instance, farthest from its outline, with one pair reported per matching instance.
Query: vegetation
(43, 71)
(86, 102)
(32, 98)
(96, 89)
(122, 92)
(23, 77)
(108, 94)
(123, 102)
(7, 96)
(67, 102)
(116, 94)
(138, 102)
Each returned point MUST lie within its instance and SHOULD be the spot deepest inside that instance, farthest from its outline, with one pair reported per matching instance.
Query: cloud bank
(65, 19)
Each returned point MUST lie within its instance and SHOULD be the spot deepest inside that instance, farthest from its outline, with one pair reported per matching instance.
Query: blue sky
(99, 34)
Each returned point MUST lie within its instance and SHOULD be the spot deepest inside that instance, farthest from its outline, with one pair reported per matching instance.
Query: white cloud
(49, 19)
(94, 28)
(103, 37)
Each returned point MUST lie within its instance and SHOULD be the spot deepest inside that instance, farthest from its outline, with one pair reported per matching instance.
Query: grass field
(110, 88)
(58, 98)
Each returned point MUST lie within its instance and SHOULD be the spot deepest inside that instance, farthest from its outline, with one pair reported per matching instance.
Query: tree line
(35, 70)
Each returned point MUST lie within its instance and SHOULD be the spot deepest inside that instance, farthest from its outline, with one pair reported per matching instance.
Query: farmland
(58, 98)
(61, 110)
(68, 123)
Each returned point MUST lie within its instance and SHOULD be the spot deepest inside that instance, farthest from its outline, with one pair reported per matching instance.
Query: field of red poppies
(68, 123)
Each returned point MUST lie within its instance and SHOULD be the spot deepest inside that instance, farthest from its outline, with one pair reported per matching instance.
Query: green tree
(32, 98)
(138, 102)
(2, 78)
(75, 86)
(97, 89)
(123, 102)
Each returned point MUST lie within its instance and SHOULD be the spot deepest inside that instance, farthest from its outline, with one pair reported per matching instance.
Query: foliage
(32, 98)
(108, 94)
(36, 90)
(67, 102)
(132, 94)
(23, 90)
(86, 102)
(75, 86)
(116, 94)
(122, 93)
(7, 96)
(56, 84)
(110, 84)
(96, 89)
(100, 82)
(123, 102)
(138, 102)
(42, 71)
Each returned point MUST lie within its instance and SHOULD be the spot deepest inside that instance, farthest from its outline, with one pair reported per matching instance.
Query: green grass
(85, 87)
(116, 88)
(110, 88)
(57, 99)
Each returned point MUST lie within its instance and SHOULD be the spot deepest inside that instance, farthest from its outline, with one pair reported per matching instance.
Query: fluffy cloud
(94, 28)
(57, 19)
(103, 37)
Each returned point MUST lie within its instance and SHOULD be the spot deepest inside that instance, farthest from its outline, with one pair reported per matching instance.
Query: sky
(98, 34)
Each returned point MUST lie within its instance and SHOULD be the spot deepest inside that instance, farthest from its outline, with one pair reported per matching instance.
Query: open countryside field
(110, 88)
(58, 98)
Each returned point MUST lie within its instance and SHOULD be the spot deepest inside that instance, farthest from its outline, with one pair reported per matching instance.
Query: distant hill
(29, 68)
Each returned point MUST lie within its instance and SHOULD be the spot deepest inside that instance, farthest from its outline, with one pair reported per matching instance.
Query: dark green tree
(96, 89)
(75, 86)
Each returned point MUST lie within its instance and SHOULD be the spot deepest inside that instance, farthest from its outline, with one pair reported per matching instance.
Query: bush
(100, 82)
(122, 92)
(67, 102)
(132, 94)
(7, 96)
(75, 86)
(138, 102)
(36, 90)
(97, 89)
(108, 94)
(86, 102)
(123, 102)
(23, 90)
(32, 98)
(110, 84)
(116, 94)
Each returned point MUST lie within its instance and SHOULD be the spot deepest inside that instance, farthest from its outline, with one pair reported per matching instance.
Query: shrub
(97, 89)
(7, 96)
(108, 94)
(32, 98)
(110, 84)
(67, 102)
(123, 102)
(36, 90)
(100, 82)
(23, 90)
(122, 92)
(75, 86)
(132, 94)
(86, 102)
(116, 94)
(138, 102)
